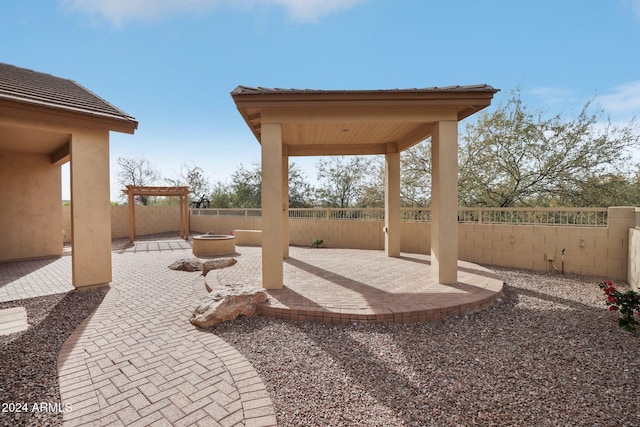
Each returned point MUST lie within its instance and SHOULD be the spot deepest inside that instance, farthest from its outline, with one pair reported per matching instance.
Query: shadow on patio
(348, 285)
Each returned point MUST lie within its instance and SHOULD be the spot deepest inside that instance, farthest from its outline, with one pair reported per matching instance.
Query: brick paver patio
(137, 360)
(35, 278)
(347, 285)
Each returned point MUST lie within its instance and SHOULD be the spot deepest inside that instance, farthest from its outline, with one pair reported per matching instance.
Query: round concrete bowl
(213, 244)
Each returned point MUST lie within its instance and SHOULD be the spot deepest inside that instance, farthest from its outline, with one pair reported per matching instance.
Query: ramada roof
(247, 90)
(351, 122)
(45, 90)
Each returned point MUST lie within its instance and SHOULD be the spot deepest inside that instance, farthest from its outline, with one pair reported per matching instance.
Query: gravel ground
(28, 373)
(548, 354)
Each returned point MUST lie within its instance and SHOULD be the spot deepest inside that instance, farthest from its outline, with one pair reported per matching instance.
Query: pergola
(136, 190)
(294, 122)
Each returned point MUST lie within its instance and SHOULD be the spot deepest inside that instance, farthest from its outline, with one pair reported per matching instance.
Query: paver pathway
(138, 361)
(35, 278)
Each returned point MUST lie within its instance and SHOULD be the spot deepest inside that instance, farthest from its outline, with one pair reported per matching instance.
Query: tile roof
(247, 90)
(35, 88)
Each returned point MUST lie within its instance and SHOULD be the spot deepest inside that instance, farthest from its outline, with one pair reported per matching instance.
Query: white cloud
(621, 102)
(548, 96)
(312, 10)
(119, 12)
(623, 99)
(635, 5)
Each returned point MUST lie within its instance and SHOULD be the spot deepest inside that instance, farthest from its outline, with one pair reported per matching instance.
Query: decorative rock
(225, 304)
(194, 264)
(191, 264)
(214, 264)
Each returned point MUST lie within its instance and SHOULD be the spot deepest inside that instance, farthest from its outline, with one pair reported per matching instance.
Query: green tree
(192, 176)
(415, 179)
(221, 196)
(300, 191)
(138, 172)
(372, 195)
(343, 182)
(612, 189)
(513, 157)
(245, 189)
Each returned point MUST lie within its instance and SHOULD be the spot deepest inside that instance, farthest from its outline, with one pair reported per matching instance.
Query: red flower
(612, 299)
(613, 308)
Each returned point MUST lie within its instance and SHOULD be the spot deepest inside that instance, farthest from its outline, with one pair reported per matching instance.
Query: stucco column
(392, 204)
(272, 229)
(444, 202)
(285, 204)
(90, 208)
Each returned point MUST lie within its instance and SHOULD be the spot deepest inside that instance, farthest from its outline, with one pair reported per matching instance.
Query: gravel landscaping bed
(28, 359)
(548, 354)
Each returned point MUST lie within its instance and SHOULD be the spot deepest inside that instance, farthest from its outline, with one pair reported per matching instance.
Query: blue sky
(172, 63)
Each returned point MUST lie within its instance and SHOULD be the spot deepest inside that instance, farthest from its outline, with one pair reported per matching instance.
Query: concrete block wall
(66, 224)
(633, 274)
(633, 269)
(589, 251)
(592, 251)
(149, 220)
(337, 233)
(154, 219)
(334, 233)
(223, 224)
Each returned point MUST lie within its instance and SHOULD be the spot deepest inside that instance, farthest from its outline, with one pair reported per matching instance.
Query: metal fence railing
(580, 217)
(228, 212)
(365, 214)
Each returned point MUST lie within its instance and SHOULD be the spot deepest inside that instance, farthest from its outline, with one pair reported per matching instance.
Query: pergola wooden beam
(137, 190)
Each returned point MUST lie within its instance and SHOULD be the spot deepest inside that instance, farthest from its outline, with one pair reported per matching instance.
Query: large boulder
(194, 264)
(190, 264)
(214, 264)
(226, 304)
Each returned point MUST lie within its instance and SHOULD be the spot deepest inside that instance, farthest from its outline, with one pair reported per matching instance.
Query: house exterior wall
(30, 215)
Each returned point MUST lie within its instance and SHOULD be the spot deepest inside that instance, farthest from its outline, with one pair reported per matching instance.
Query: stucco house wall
(30, 214)
(45, 122)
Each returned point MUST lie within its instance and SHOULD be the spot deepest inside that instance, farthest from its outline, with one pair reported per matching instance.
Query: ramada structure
(46, 121)
(293, 122)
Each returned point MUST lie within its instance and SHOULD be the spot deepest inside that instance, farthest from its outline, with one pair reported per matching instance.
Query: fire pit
(213, 244)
